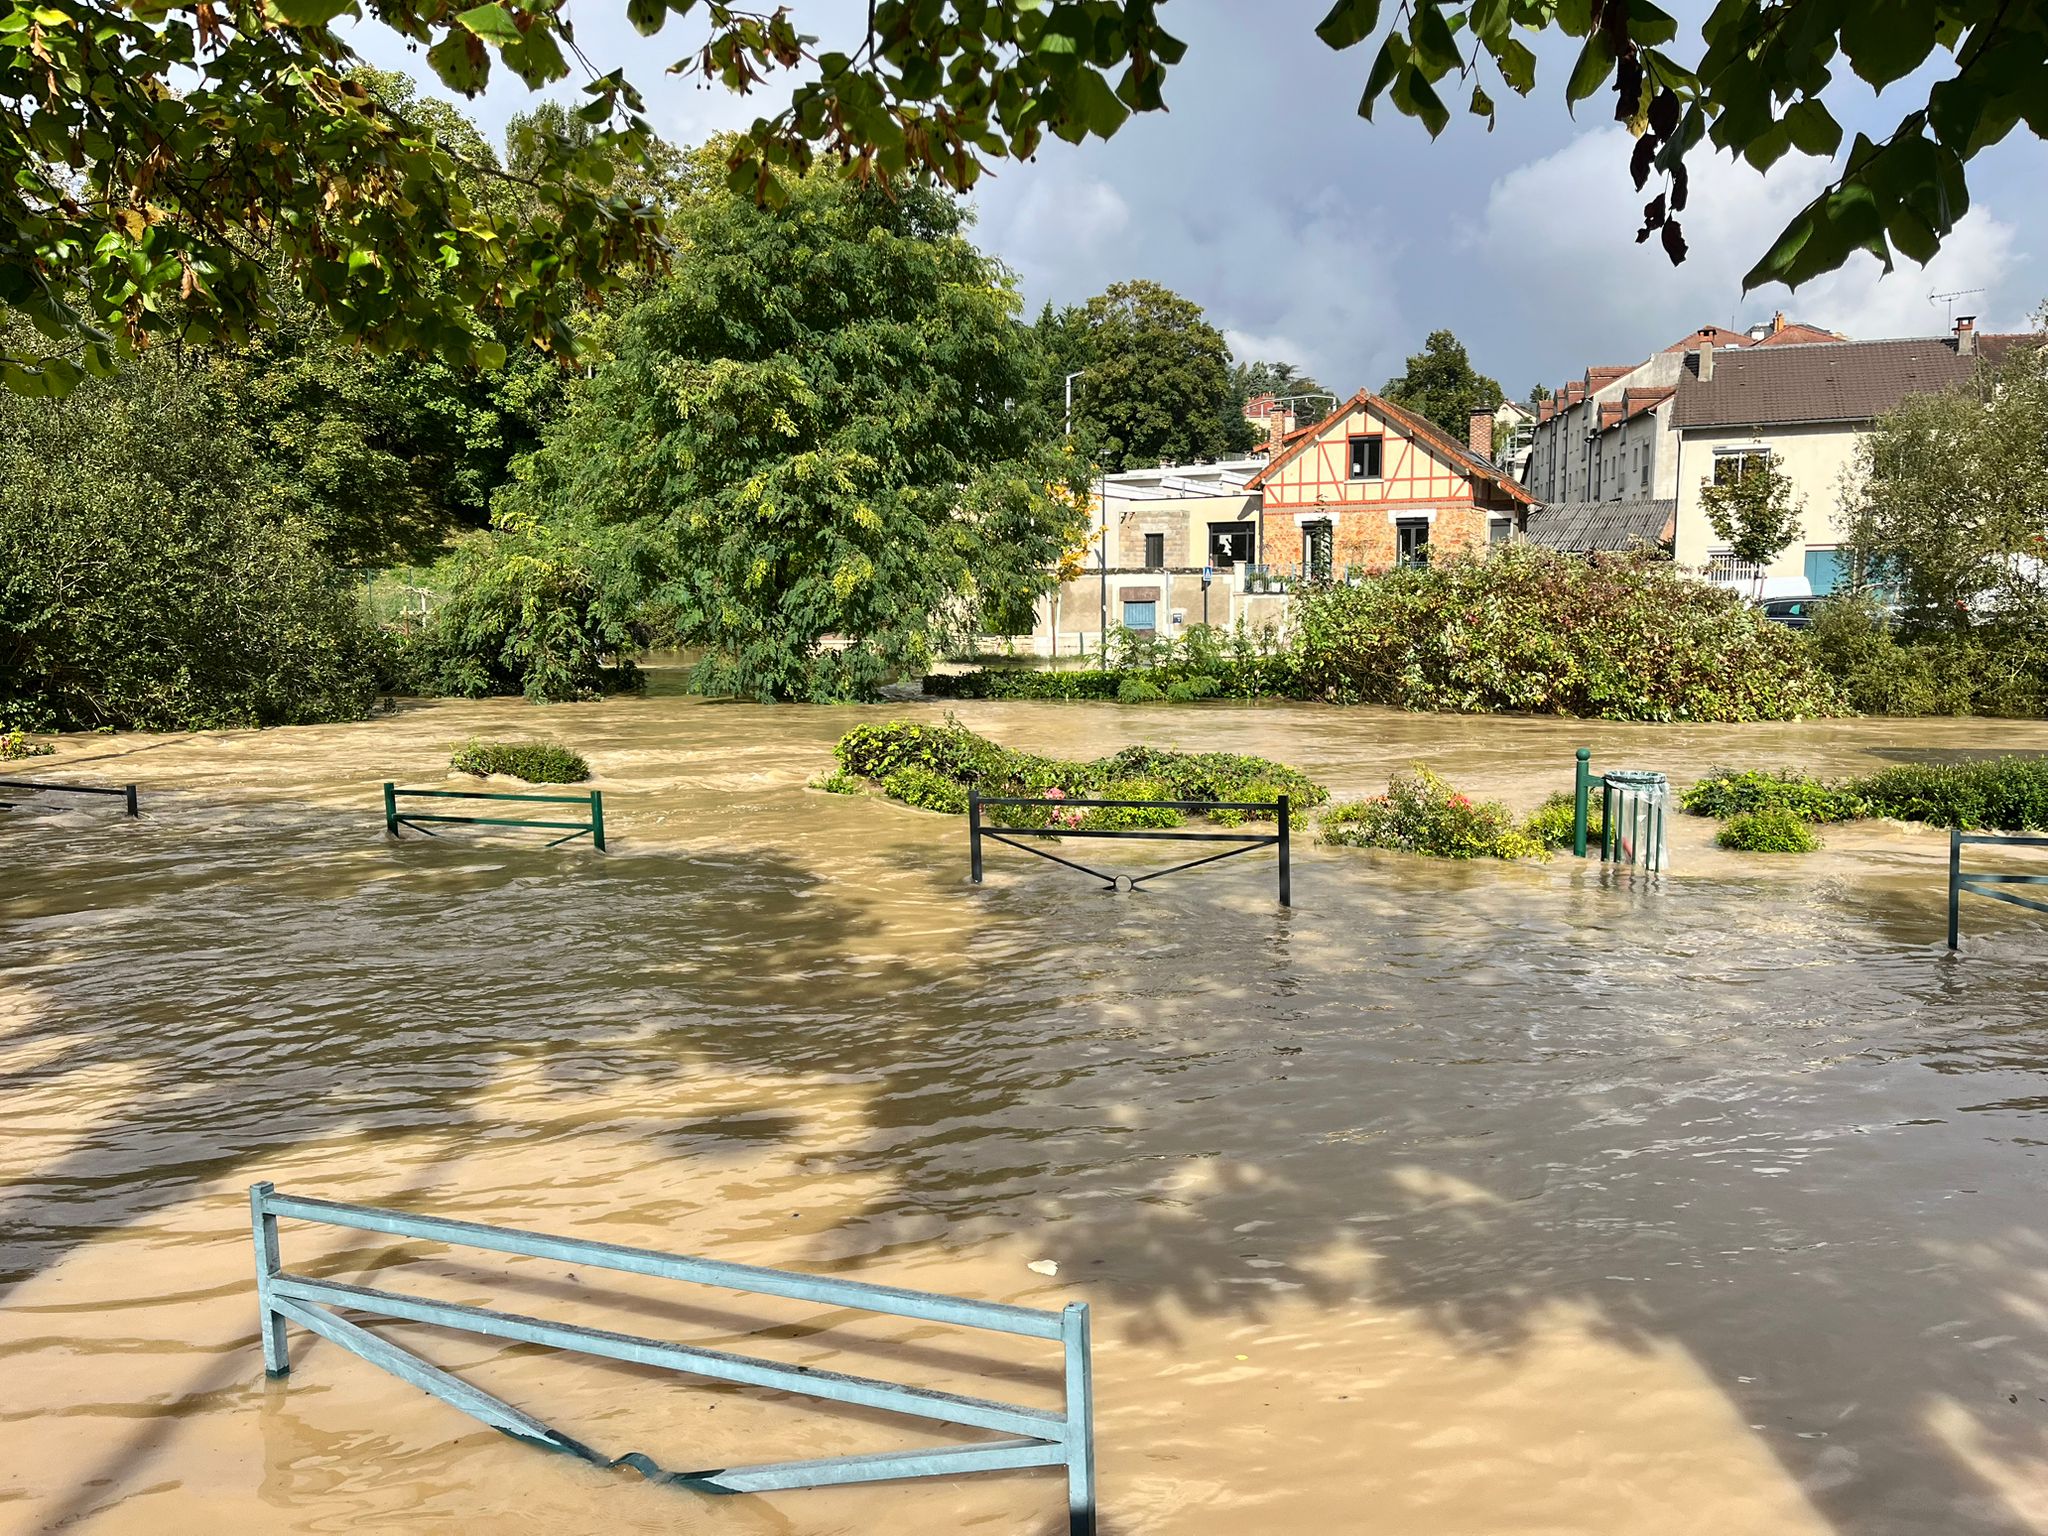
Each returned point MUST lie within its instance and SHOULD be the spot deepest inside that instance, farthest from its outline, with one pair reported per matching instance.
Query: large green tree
(817, 416)
(156, 155)
(1156, 385)
(1441, 383)
(1946, 504)
(153, 575)
(1303, 395)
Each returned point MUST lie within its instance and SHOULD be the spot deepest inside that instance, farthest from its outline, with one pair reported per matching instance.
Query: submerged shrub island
(537, 762)
(932, 766)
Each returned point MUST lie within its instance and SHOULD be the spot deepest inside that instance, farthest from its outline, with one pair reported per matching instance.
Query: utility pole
(1070, 399)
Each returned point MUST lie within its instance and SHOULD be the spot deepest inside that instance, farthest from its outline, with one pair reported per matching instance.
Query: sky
(1313, 237)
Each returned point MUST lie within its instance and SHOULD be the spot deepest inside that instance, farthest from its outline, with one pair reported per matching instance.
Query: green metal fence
(125, 792)
(591, 800)
(1979, 883)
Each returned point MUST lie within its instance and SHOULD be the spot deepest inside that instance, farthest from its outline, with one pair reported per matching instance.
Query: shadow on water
(1720, 1116)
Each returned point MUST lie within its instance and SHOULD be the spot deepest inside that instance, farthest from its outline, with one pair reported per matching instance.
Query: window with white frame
(1734, 464)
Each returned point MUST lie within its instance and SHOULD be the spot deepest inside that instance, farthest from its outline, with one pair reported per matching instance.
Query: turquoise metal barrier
(125, 792)
(592, 799)
(1034, 1437)
(1984, 884)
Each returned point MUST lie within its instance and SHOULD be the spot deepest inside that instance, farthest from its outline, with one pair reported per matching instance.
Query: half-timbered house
(1373, 485)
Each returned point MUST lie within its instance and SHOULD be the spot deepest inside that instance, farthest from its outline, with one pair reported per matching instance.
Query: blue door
(1141, 615)
(1824, 571)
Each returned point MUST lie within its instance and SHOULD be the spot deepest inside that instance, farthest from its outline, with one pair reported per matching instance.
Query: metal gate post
(391, 807)
(597, 819)
(1955, 885)
(1286, 872)
(276, 1360)
(1080, 1418)
(974, 832)
(1582, 786)
(1607, 828)
(132, 811)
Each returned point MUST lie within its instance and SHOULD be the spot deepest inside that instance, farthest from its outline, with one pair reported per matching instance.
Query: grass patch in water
(537, 762)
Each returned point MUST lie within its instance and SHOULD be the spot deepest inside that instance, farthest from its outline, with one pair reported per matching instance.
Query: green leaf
(1813, 129)
(1596, 63)
(1386, 69)
(1349, 22)
(491, 22)
(1517, 65)
(309, 13)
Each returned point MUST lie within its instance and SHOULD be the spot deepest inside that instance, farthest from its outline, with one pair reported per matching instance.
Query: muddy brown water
(1459, 1199)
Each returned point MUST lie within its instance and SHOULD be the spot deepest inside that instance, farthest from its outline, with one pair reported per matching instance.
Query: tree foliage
(151, 576)
(1157, 386)
(1441, 384)
(811, 428)
(1754, 511)
(1946, 504)
(159, 156)
(1306, 398)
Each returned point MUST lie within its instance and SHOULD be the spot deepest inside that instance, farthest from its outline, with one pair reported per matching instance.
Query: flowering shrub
(1421, 812)
(1774, 829)
(15, 745)
(1529, 629)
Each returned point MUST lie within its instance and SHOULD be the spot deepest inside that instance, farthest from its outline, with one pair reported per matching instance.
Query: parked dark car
(1792, 612)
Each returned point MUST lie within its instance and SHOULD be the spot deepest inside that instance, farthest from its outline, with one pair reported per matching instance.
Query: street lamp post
(1070, 398)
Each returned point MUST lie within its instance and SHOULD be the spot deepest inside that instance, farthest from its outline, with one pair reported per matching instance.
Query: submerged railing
(1980, 883)
(1035, 1437)
(125, 792)
(592, 799)
(1246, 842)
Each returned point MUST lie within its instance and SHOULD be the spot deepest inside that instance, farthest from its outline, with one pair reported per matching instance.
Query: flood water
(1458, 1199)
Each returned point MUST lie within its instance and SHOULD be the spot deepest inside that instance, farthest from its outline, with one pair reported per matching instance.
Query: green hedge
(2006, 794)
(910, 760)
(1532, 630)
(1259, 676)
(1422, 812)
(537, 762)
(1737, 792)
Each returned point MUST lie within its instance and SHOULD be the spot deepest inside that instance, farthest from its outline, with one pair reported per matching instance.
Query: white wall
(1813, 457)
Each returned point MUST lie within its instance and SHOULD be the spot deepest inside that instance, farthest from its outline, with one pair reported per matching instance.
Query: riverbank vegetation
(933, 766)
(1422, 812)
(2004, 794)
(1773, 829)
(537, 762)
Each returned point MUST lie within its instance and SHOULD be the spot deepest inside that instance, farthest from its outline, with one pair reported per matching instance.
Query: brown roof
(1637, 401)
(1610, 413)
(1419, 428)
(1719, 335)
(1794, 332)
(1598, 378)
(1815, 382)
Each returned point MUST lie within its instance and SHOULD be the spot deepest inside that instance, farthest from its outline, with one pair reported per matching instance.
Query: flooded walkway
(1459, 1200)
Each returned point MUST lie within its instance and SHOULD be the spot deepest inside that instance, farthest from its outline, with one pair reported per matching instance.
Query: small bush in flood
(2007, 794)
(537, 762)
(1421, 812)
(15, 745)
(1551, 823)
(1774, 829)
(1729, 792)
(926, 790)
(876, 754)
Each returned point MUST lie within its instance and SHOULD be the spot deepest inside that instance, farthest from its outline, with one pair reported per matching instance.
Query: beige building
(1805, 406)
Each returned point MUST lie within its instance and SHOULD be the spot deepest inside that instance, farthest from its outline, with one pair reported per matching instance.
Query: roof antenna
(1950, 298)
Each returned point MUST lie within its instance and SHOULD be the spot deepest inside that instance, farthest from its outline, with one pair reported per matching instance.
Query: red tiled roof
(1610, 413)
(1637, 401)
(1720, 336)
(1797, 332)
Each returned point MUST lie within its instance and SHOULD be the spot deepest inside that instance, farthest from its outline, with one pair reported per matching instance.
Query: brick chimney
(1706, 369)
(1479, 432)
(1777, 322)
(1966, 335)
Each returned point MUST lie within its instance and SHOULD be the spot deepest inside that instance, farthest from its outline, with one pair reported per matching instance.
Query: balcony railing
(1276, 577)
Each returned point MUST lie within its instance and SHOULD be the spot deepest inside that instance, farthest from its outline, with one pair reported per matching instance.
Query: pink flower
(1055, 794)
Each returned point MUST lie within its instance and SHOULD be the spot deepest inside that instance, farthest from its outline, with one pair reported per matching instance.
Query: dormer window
(1365, 457)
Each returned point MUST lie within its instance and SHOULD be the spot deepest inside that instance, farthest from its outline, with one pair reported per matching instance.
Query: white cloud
(1553, 229)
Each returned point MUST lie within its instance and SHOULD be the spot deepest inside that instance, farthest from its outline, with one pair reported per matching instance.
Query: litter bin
(1634, 808)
